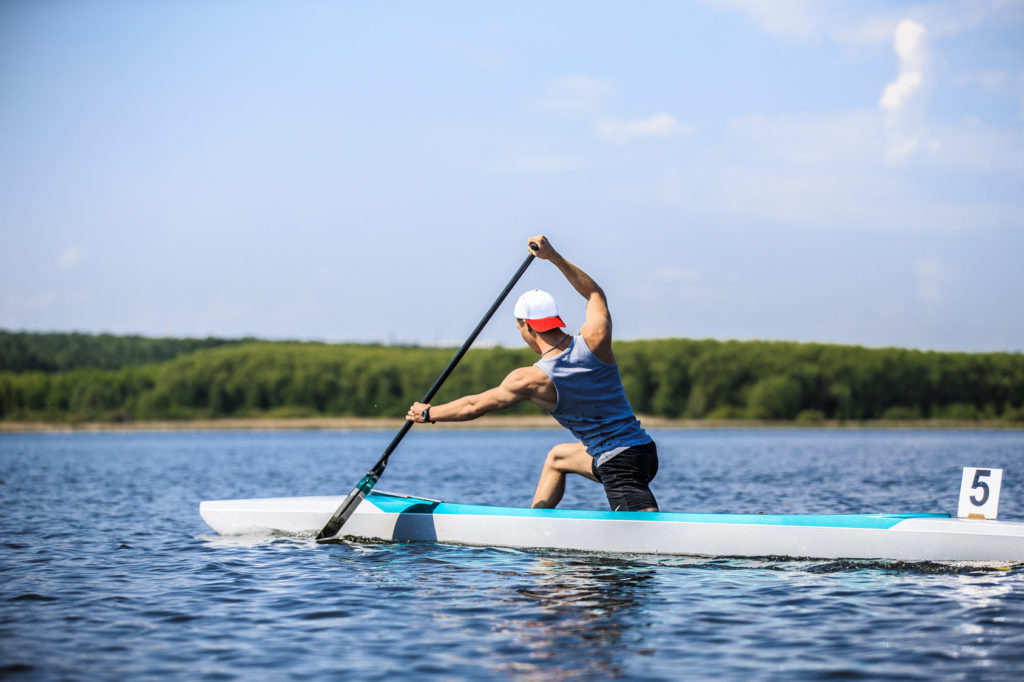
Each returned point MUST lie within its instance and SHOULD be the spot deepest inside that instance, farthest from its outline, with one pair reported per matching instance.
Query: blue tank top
(591, 401)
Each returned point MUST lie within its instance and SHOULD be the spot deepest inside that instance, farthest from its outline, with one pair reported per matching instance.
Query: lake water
(107, 571)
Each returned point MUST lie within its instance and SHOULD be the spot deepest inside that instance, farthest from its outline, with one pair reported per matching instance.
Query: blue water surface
(107, 571)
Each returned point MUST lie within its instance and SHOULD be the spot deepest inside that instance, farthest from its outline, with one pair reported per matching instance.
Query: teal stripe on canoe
(397, 504)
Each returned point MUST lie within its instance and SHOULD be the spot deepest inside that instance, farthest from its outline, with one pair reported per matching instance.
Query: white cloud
(954, 17)
(70, 258)
(586, 96)
(900, 97)
(656, 125)
(844, 22)
(909, 43)
(899, 91)
(577, 94)
(867, 22)
(829, 172)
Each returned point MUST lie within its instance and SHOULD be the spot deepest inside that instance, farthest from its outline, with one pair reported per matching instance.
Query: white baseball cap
(539, 310)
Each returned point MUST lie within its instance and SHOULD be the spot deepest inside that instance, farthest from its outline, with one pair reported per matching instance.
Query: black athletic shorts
(626, 475)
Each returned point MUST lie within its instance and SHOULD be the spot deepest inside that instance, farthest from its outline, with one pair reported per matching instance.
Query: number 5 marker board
(979, 493)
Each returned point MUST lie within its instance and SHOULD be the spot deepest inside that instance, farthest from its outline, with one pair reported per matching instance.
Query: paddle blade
(358, 494)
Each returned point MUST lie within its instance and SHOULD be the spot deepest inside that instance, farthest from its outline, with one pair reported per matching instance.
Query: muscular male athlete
(577, 381)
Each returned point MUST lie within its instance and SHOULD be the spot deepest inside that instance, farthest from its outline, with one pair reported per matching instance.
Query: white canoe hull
(384, 516)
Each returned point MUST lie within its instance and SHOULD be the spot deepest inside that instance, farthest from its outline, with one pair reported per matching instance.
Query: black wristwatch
(425, 414)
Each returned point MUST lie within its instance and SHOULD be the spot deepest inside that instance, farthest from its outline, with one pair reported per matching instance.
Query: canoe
(402, 518)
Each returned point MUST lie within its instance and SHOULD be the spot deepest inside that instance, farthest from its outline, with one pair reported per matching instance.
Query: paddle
(362, 489)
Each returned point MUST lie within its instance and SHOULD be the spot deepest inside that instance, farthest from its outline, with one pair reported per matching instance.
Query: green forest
(26, 352)
(81, 377)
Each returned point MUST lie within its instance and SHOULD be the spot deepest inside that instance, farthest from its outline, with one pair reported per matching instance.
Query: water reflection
(982, 611)
(980, 592)
(575, 618)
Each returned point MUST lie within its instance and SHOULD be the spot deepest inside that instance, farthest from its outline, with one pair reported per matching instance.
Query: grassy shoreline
(489, 422)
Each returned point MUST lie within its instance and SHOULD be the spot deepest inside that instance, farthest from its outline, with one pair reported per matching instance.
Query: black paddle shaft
(362, 489)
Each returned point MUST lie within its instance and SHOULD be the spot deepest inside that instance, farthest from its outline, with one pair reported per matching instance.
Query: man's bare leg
(565, 458)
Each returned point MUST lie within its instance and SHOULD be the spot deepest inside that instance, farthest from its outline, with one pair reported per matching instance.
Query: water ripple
(107, 571)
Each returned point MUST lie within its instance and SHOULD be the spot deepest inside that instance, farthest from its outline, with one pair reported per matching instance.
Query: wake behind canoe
(390, 517)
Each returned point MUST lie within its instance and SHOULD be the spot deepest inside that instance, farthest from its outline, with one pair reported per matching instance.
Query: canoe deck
(393, 517)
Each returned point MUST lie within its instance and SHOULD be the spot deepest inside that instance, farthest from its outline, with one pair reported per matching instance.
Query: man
(577, 381)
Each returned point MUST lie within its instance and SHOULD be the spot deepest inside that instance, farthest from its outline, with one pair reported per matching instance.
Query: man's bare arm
(525, 383)
(597, 328)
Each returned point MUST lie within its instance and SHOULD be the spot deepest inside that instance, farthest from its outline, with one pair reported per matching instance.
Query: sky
(807, 170)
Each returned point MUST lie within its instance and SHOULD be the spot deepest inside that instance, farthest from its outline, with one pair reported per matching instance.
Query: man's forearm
(470, 407)
(460, 410)
(581, 281)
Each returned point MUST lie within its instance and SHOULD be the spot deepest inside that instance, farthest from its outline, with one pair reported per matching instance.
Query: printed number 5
(978, 483)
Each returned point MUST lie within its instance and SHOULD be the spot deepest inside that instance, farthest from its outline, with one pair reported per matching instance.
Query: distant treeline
(31, 352)
(676, 378)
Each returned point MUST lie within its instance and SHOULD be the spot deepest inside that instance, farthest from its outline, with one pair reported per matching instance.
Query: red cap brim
(546, 323)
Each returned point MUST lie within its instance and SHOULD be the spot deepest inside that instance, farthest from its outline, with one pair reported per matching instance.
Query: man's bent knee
(570, 458)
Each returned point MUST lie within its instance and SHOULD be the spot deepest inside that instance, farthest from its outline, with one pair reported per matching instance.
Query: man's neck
(551, 341)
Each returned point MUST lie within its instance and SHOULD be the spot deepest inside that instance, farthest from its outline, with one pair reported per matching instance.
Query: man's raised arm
(597, 329)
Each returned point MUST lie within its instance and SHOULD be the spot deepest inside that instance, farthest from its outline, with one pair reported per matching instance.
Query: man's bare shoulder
(526, 379)
(531, 383)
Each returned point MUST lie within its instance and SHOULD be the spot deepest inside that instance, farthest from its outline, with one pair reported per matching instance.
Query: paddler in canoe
(577, 381)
